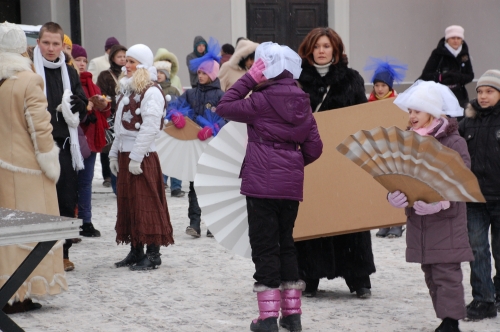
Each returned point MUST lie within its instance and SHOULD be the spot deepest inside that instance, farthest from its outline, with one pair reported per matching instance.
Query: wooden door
(285, 22)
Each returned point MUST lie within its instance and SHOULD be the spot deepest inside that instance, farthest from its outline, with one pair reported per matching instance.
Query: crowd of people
(64, 109)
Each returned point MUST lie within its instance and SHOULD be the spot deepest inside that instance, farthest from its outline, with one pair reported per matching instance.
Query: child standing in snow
(384, 75)
(437, 232)
(282, 139)
(203, 100)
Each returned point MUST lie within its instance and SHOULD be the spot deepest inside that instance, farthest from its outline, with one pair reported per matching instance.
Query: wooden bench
(17, 227)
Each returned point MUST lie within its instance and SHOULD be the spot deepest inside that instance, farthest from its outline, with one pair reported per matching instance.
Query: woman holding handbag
(107, 82)
(450, 65)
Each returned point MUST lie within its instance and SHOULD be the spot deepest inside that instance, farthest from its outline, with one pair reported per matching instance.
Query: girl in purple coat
(437, 232)
(282, 139)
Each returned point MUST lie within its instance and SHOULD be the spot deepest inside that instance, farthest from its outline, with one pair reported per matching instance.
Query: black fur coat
(349, 256)
(346, 86)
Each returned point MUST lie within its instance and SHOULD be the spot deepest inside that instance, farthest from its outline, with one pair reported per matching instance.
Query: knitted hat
(386, 70)
(163, 66)
(141, 53)
(454, 31)
(211, 68)
(110, 42)
(12, 38)
(78, 51)
(429, 97)
(490, 78)
(68, 41)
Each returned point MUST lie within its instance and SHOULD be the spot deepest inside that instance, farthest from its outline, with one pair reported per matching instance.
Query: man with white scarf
(60, 79)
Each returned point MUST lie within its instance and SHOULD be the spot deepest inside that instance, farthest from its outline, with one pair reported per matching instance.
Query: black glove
(91, 118)
(77, 105)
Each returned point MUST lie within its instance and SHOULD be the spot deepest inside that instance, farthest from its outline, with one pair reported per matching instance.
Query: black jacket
(203, 96)
(481, 130)
(55, 92)
(443, 67)
(350, 255)
(346, 86)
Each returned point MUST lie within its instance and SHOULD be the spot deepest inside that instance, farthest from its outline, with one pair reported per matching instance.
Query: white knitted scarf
(453, 51)
(40, 62)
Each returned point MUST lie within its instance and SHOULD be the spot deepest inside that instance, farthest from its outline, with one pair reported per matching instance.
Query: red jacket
(374, 98)
(94, 130)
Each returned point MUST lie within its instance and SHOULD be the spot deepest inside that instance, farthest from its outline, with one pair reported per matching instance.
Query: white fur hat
(429, 97)
(141, 53)
(12, 38)
(163, 65)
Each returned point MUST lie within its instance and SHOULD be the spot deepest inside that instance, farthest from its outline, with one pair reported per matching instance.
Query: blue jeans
(174, 183)
(480, 217)
(85, 177)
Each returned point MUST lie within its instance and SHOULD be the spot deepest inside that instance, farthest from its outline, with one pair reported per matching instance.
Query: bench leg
(16, 280)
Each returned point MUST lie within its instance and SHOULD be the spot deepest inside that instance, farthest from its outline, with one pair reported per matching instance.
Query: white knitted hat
(12, 38)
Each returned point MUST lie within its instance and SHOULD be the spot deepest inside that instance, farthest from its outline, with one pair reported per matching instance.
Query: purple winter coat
(282, 135)
(441, 237)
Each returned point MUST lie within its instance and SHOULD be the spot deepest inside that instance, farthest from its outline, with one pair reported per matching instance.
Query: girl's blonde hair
(140, 80)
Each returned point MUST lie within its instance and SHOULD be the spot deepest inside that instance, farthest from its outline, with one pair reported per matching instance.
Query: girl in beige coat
(29, 166)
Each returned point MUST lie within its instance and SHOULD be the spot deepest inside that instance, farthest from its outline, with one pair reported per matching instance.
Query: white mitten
(73, 120)
(49, 163)
(113, 165)
(134, 167)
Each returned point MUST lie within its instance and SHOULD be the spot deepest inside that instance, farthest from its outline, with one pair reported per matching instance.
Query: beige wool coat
(29, 169)
(230, 72)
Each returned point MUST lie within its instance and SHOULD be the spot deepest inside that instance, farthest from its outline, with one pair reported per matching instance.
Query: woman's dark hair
(306, 48)
(227, 48)
(115, 49)
(243, 60)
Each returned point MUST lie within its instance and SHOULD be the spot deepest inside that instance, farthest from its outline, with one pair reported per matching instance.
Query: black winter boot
(150, 261)
(448, 325)
(134, 256)
(265, 325)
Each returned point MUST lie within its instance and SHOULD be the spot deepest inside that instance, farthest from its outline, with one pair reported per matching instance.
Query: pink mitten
(256, 71)
(204, 133)
(178, 120)
(397, 199)
(423, 209)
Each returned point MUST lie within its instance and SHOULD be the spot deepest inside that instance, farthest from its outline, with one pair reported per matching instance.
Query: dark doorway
(285, 22)
(74, 16)
(10, 11)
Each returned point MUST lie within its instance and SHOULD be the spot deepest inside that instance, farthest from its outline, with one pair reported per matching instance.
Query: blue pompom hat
(386, 70)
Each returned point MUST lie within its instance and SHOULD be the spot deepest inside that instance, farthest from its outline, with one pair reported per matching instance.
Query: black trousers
(106, 171)
(66, 187)
(354, 283)
(270, 223)
(194, 211)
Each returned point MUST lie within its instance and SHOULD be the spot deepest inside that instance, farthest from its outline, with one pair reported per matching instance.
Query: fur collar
(310, 75)
(243, 49)
(474, 109)
(442, 50)
(12, 63)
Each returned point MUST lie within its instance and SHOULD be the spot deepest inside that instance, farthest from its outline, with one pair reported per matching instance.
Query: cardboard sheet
(189, 132)
(340, 197)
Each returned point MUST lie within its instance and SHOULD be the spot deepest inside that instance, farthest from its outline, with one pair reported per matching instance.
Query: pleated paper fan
(217, 186)
(419, 166)
(178, 157)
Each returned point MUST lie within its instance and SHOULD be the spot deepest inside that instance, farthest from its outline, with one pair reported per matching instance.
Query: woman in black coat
(450, 64)
(330, 85)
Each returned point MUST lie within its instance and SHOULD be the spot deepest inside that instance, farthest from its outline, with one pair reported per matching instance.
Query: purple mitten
(397, 199)
(423, 209)
(256, 71)
(178, 120)
(204, 133)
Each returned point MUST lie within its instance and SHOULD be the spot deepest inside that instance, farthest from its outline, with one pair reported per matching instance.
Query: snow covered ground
(203, 287)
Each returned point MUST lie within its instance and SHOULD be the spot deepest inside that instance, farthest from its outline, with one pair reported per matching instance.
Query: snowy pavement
(203, 287)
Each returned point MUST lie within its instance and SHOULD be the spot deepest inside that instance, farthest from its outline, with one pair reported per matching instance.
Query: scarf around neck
(40, 64)
(322, 69)
(453, 51)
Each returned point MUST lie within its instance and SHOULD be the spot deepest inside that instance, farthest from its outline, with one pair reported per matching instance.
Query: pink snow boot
(268, 300)
(290, 305)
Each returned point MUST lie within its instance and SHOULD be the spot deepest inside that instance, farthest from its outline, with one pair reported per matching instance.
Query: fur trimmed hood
(12, 63)
(473, 109)
(243, 49)
(163, 55)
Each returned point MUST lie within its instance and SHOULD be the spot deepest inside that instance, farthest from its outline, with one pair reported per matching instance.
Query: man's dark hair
(228, 49)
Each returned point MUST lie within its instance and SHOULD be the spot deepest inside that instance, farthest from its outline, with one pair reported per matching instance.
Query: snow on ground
(203, 287)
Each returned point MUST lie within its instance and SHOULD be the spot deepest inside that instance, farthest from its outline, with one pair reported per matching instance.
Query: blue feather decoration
(388, 67)
(179, 105)
(213, 50)
(212, 120)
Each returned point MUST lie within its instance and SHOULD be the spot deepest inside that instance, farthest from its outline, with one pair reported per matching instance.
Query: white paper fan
(419, 166)
(178, 158)
(217, 186)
